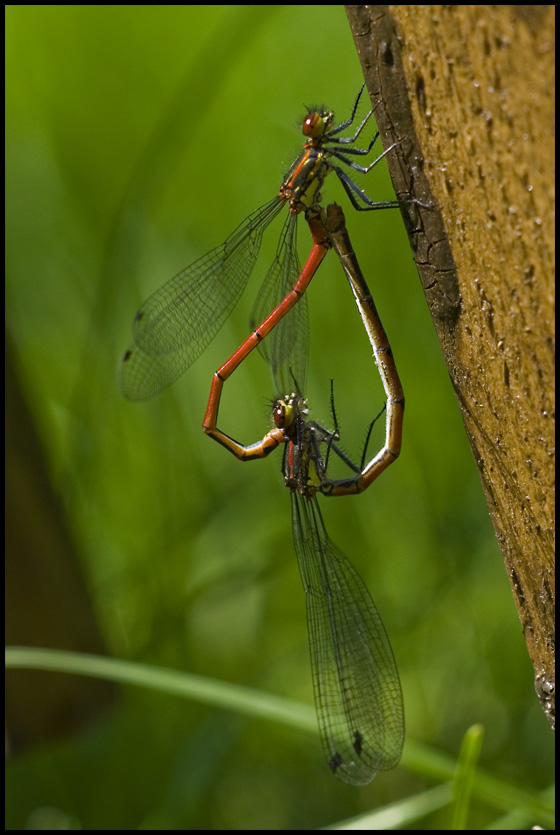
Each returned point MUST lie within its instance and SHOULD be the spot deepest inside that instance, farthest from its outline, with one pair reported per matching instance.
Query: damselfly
(178, 321)
(356, 683)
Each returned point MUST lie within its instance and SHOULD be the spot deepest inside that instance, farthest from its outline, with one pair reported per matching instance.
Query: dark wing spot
(357, 742)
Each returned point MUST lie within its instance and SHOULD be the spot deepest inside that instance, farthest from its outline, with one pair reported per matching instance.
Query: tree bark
(472, 90)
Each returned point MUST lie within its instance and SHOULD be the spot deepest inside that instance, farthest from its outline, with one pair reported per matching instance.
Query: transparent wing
(180, 319)
(357, 689)
(286, 348)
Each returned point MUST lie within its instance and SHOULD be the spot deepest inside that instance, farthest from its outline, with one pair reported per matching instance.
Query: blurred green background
(138, 137)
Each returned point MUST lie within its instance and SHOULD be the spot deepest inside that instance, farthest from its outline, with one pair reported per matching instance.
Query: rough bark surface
(472, 90)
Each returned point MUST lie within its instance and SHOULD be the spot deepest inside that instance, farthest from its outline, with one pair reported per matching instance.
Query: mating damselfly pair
(356, 683)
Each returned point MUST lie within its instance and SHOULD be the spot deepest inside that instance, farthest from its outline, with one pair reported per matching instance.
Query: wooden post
(472, 89)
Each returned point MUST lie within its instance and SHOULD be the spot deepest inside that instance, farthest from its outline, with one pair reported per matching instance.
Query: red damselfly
(356, 684)
(178, 321)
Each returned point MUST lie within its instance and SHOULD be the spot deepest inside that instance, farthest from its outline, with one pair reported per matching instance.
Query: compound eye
(278, 414)
(313, 124)
(282, 414)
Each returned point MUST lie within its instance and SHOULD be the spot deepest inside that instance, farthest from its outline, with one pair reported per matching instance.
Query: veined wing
(286, 348)
(180, 319)
(357, 689)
